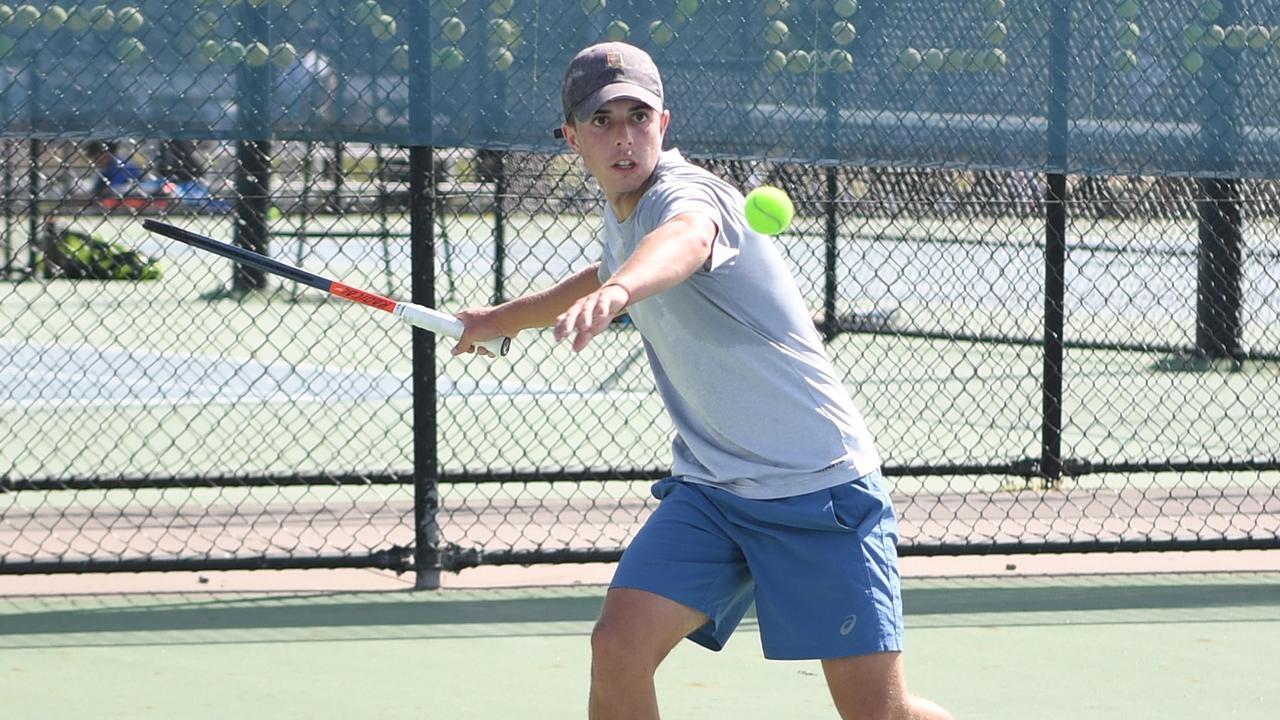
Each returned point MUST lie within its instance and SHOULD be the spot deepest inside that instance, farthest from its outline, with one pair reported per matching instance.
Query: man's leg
(873, 687)
(635, 632)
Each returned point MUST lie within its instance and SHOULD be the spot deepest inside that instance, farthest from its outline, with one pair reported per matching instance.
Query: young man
(775, 495)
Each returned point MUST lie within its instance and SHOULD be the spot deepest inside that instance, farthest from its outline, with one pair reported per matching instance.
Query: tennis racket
(416, 315)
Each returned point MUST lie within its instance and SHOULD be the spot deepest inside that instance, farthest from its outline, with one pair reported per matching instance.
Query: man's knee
(616, 648)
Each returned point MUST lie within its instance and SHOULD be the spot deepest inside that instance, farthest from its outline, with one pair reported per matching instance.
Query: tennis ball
(53, 18)
(1128, 35)
(273, 213)
(26, 17)
(934, 59)
(774, 61)
(130, 50)
(617, 30)
(1211, 9)
(846, 8)
(504, 31)
(593, 7)
(843, 32)
(992, 59)
(1235, 37)
(1128, 9)
(1192, 62)
(839, 61)
(687, 7)
(231, 53)
(130, 19)
(6, 45)
(283, 55)
(996, 33)
(1257, 37)
(775, 7)
(910, 58)
(958, 60)
(383, 27)
(453, 28)
(501, 58)
(497, 7)
(799, 61)
(1126, 60)
(78, 20)
(1192, 33)
(102, 18)
(400, 57)
(256, 54)
(451, 58)
(1214, 36)
(769, 210)
(776, 32)
(208, 50)
(661, 32)
(995, 8)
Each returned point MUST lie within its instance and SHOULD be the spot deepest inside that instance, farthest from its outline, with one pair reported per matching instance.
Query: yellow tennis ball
(769, 210)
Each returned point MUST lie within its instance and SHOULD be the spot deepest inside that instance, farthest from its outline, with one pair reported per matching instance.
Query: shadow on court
(532, 608)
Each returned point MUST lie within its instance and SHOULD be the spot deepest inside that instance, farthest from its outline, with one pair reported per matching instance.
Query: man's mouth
(625, 164)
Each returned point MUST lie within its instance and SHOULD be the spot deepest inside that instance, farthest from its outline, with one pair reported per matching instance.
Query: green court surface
(1107, 646)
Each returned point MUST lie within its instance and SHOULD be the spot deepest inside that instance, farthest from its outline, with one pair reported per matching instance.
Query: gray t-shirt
(757, 407)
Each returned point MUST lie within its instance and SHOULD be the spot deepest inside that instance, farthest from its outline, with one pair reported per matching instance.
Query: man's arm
(535, 310)
(664, 258)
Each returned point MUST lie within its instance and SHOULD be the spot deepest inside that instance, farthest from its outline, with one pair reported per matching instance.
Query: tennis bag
(81, 256)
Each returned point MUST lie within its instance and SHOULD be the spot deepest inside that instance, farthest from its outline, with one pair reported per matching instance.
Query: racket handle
(442, 324)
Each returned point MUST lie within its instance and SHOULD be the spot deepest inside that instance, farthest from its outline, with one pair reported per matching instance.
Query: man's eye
(599, 121)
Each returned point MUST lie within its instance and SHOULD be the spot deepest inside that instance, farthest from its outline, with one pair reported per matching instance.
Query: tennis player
(775, 495)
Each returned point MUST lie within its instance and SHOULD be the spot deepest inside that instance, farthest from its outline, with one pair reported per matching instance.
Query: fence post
(1055, 251)
(253, 152)
(1219, 272)
(422, 212)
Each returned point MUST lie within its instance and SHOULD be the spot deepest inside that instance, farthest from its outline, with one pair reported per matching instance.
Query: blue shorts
(821, 568)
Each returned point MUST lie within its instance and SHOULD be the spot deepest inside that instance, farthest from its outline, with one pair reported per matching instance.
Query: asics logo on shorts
(846, 627)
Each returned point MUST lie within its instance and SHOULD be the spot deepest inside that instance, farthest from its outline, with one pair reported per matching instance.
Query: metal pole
(500, 230)
(1055, 254)
(1219, 270)
(253, 153)
(33, 216)
(830, 323)
(422, 208)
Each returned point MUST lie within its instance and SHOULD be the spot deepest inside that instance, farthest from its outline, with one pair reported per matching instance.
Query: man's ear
(664, 121)
(570, 135)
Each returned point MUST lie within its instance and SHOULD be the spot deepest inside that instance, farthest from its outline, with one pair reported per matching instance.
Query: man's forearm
(541, 309)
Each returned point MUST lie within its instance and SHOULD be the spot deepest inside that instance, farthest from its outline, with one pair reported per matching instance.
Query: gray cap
(609, 71)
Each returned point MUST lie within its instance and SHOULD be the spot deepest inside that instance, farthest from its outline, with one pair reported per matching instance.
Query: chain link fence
(1049, 277)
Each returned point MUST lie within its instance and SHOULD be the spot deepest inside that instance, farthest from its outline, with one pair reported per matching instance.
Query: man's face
(620, 145)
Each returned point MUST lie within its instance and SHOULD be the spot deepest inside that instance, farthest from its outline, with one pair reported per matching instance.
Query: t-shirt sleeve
(671, 201)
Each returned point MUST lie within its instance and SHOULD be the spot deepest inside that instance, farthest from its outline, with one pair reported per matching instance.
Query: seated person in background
(118, 175)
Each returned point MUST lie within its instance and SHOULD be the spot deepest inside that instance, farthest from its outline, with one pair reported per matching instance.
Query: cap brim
(617, 91)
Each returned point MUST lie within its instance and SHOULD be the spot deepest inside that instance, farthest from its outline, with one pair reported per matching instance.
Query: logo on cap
(613, 60)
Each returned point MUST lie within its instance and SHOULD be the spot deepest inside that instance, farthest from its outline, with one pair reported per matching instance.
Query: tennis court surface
(1172, 645)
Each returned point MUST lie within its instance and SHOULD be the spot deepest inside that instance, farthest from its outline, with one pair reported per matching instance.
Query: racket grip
(442, 324)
